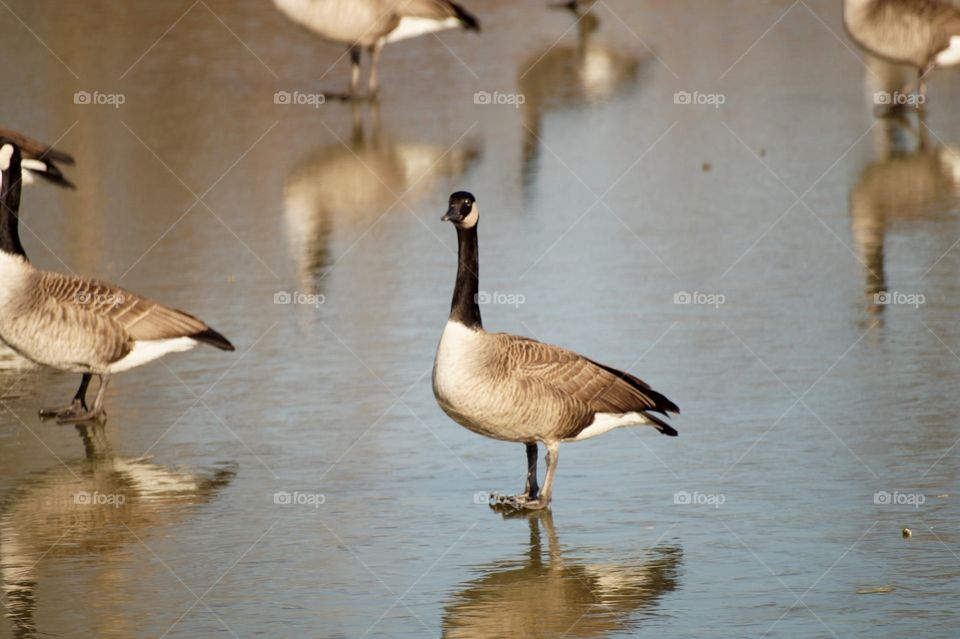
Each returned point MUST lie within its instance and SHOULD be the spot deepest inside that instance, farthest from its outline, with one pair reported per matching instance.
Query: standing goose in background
(520, 390)
(39, 159)
(370, 24)
(79, 325)
(924, 34)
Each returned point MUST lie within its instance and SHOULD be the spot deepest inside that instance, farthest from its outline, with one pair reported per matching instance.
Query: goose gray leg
(373, 84)
(77, 407)
(95, 413)
(533, 499)
(354, 71)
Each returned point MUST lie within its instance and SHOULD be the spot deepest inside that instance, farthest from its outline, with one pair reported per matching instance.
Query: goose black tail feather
(662, 405)
(213, 338)
(469, 22)
(661, 425)
(53, 175)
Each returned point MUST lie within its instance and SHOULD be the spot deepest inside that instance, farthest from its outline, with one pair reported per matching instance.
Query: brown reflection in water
(89, 508)
(570, 76)
(910, 180)
(355, 181)
(544, 595)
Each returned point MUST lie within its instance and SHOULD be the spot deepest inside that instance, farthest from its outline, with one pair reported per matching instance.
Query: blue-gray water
(782, 212)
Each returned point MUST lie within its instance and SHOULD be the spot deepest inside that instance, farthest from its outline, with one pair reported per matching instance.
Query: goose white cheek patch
(6, 152)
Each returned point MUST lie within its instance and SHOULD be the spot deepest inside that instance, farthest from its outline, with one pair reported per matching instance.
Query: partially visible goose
(924, 34)
(79, 325)
(371, 24)
(39, 159)
(520, 390)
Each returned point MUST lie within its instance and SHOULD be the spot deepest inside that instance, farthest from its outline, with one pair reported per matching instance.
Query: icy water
(818, 421)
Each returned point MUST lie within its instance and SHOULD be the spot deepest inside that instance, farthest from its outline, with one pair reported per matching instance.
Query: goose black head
(463, 210)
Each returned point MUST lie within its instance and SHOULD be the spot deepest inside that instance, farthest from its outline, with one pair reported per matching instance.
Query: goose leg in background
(96, 412)
(76, 408)
(373, 85)
(530, 490)
(354, 72)
(922, 86)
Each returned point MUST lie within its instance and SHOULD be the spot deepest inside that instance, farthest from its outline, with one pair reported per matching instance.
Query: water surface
(602, 199)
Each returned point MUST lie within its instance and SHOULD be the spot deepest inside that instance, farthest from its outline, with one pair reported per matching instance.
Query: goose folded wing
(602, 388)
(141, 318)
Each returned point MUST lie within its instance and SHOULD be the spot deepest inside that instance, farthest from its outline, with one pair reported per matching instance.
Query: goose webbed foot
(76, 407)
(75, 413)
(522, 501)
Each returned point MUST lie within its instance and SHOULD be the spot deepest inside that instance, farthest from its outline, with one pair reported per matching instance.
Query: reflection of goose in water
(569, 77)
(910, 179)
(93, 506)
(547, 596)
(357, 181)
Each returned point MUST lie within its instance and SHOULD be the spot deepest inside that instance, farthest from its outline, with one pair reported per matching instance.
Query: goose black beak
(452, 215)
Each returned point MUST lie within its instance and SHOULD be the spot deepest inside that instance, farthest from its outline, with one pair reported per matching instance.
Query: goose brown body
(518, 389)
(911, 32)
(85, 326)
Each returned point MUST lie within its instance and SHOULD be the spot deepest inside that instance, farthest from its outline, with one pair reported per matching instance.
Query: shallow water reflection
(87, 510)
(550, 592)
(571, 76)
(912, 179)
(357, 178)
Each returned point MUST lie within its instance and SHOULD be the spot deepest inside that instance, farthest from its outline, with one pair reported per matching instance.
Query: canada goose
(520, 390)
(924, 34)
(371, 24)
(566, 77)
(39, 159)
(97, 506)
(544, 594)
(79, 325)
(908, 182)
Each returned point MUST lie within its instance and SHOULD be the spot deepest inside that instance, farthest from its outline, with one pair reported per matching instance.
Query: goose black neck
(10, 207)
(464, 307)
